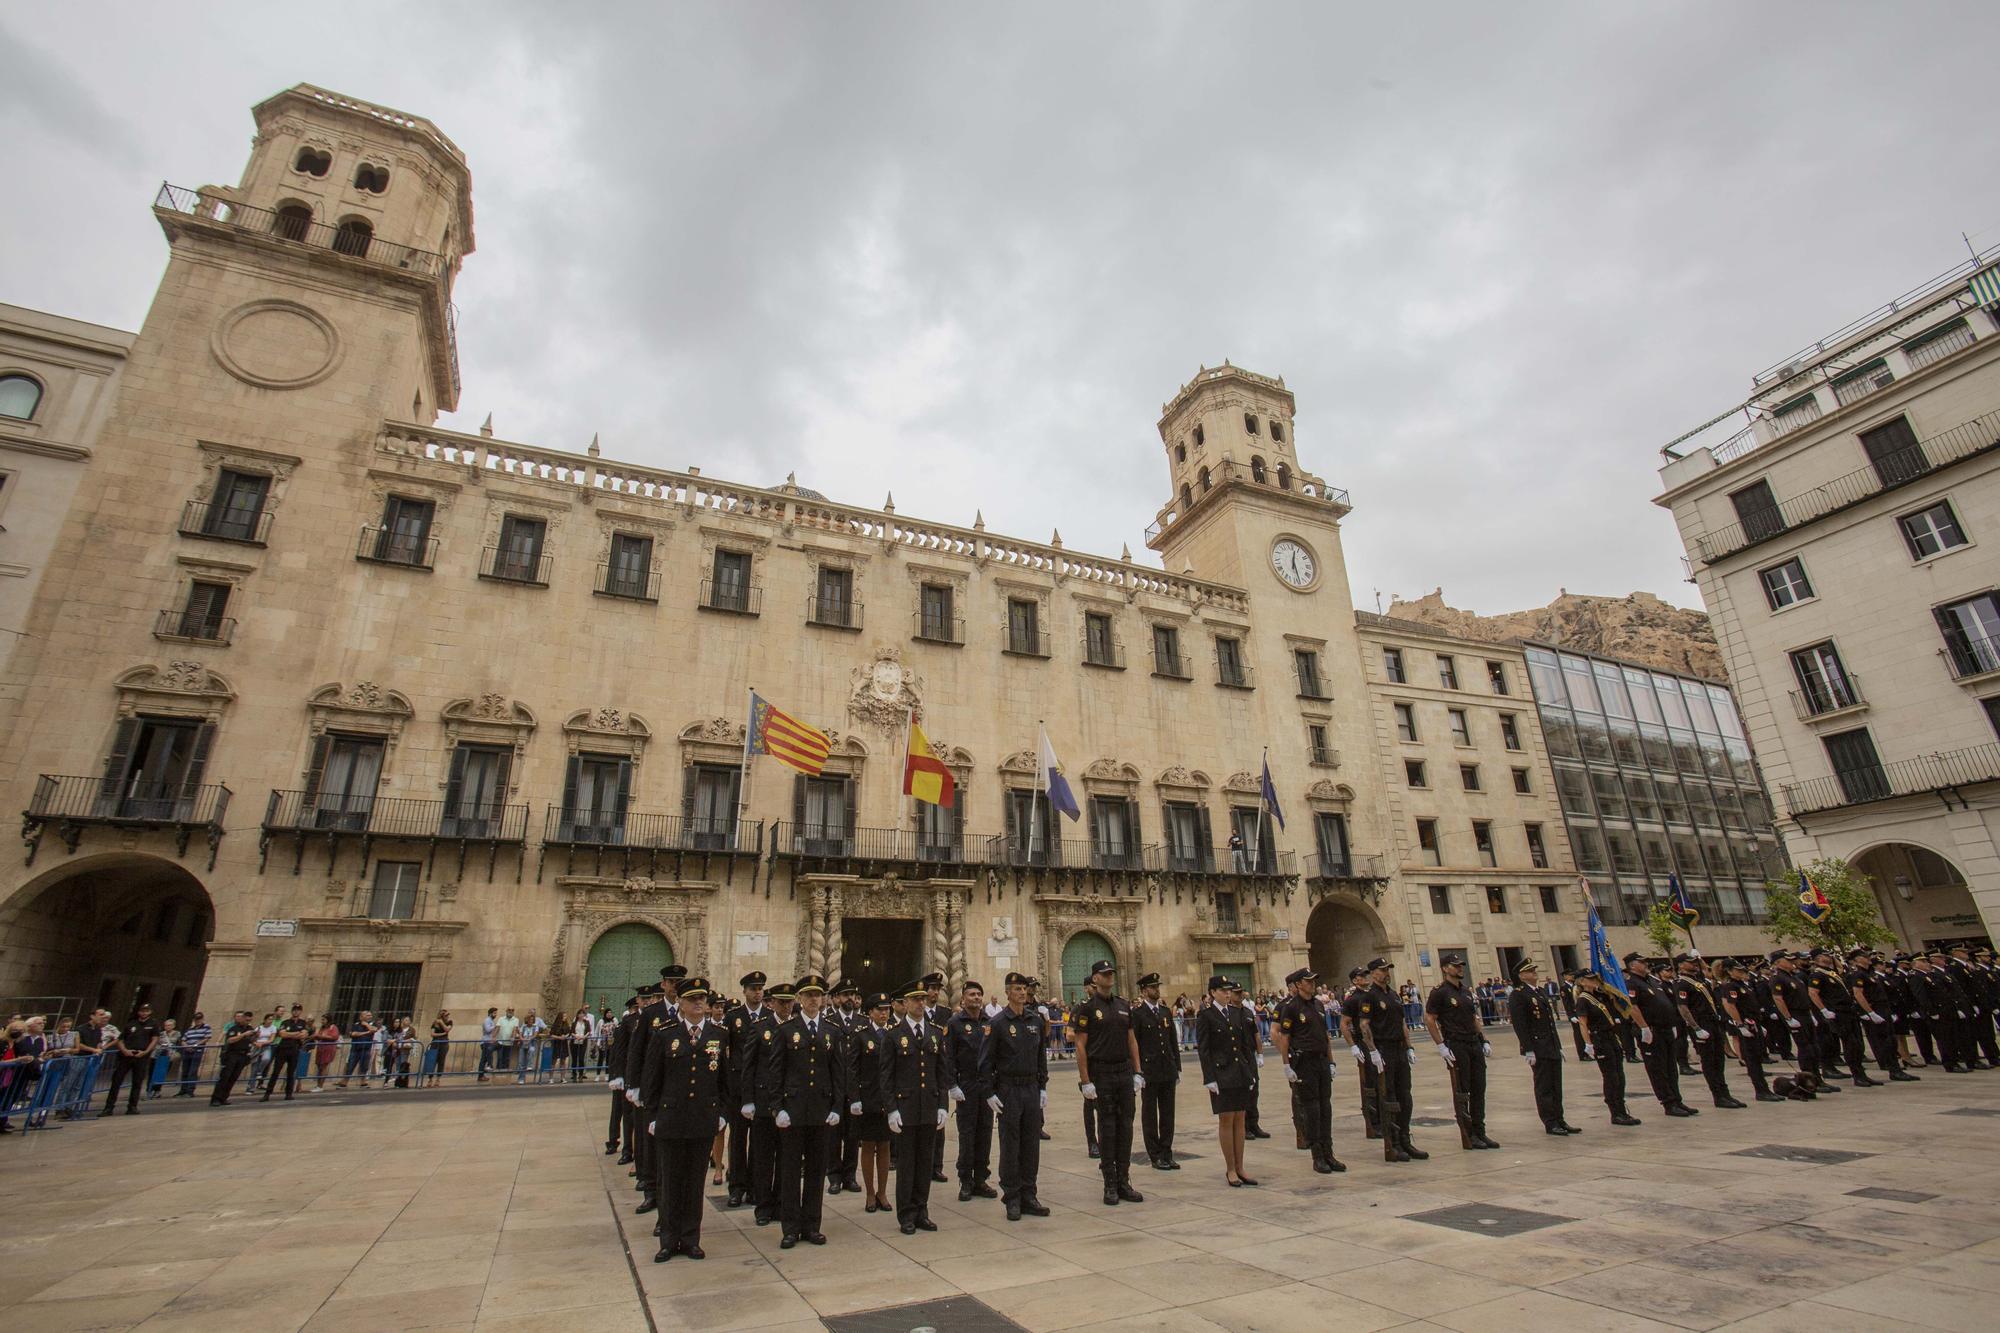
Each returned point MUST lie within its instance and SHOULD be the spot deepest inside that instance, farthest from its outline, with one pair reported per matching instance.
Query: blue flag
(1602, 961)
(1270, 794)
(1049, 769)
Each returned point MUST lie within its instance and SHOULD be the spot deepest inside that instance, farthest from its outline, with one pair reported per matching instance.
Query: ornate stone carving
(1186, 779)
(364, 694)
(884, 692)
(182, 688)
(1242, 782)
(1331, 792)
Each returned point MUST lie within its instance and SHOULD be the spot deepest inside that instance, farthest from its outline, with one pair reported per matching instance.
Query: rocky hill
(1638, 628)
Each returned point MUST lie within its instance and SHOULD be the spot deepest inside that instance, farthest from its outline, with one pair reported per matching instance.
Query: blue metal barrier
(66, 1085)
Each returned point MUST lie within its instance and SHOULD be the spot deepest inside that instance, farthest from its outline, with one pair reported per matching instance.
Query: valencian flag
(1679, 907)
(1602, 961)
(1812, 903)
(924, 774)
(785, 738)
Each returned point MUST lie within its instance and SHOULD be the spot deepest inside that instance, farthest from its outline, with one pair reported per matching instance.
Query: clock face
(1293, 563)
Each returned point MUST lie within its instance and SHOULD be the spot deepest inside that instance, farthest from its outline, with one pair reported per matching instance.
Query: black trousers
(1714, 1057)
(1312, 1102)
(614, 1131)
(1393, 1080)
(122, 1068)
(801, 1177)
(1576, 1036)
(740, 1131)
(1548, 1079)
(764, 1165)
(225, 1080)
(916, 1149)
(1920, 1034)
(1090, 1123)
(850, 1146)
(1847, 1030)
(1468, 1076)
(644, 1155)
(1370, 1105)
(1116, 1106)
(1777, 1038)
(284, 1062)
(1662, 1068)
(1882, 1045)
(1611, 1067)
(1750, 1045)
(1156, 1119)
(975, 1138)
(1805, 1045)
(1984, 1033)
(681, 1163)
(1018, 1126)
(937, 1157)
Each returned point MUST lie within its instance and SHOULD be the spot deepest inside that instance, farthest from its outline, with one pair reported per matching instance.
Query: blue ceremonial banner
(1270, 794)
(1049, 769)
(1602, 961)
(1812, 903)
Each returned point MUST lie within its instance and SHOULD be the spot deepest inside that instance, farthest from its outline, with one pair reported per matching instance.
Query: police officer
(843, 1147)
(239, 1045)
(744, 1025)
(761, 1110)
(1979, 1031)
(799, 1075)
(1305, 1051)
(1569, 989)
(1739, 998)
(1982, 967)
(913, 1088)
(1107, 1061)
(1160, 1067)
(867, 1049)
(1703, 1018)
(1654, 1010)
(937, 1013)
(618, 1132)
(1833, 1001)
(292, 1035)
(1014, 1060)
(1598, 1020)
(1798, 1016)
(964, 1036)
(652, 999)
(1533, 1015)
(1452, 1015)
(1878, 996)
(1350, 1005)
(1380, 1026)
(685, 1090)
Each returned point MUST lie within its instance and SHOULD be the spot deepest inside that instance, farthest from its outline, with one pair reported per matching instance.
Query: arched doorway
(1084, 948)
(1922, 896)
(1341, 936)
(624, 958)
(107, 931)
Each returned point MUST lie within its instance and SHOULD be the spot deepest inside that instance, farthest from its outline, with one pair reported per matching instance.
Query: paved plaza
(495, 1210)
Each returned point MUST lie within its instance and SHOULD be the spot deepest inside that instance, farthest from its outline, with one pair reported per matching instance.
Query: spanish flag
(785, 738)
(924, 774)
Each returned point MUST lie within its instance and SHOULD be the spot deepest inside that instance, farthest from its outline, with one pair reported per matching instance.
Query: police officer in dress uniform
(1979, 1006)
(1452, 1015)
(1879, 997)
(1305, 1051)
(1533, 1016)
(800, 1075)
(1569, 989)
(1014, 1061)
(843, 1146)
(913, 1088)
(651, 998)
(763, 1114)
(1107, 1062)
(1350, 1005)
(1936, 994)
(1739, 999)
(1832, 997)
(1653, 1008)
(685, 1090)
(1702, 1016)
(1160, 1066)
(937, 1013)
(742, 1025)
(964, 1036)
(617, 1133)
(1380, 1026)
(1597, 1018)
(1797, 1016)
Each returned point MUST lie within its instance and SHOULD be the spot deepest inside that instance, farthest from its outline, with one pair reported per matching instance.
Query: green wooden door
(623, 959)
(1083, 949)
(1236, 972)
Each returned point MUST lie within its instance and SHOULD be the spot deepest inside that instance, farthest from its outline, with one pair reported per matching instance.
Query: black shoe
(1322, 1167)
(1013, 1210)
(648, 1206)
(909, 1228)
(1769, 1097)
(735, 1199)
(133, 1110)
(1487, 1143)
(788, 1241)
(965, 1194)
(1899, 1076)
(1687, 1071)
(1826, 1087)
(765, 1219)
(1865, 1082)
(850, 1184)
(624, 1159)
(1415, 1153)
(1391, 1153)
(1568, 1128)
(1556, 1130)
(664, 1253)
(610, 1148)
(658, 1227)
(940, 1178)
(985, 1192)
(1111, 1196)
(1258, 1134)
(1681, 1112)
(695, 1252)
(833, 1185)
(814, 1238)
(1093, 1152)
(1624, 1119)
(1128, 1194)
(1338, 1166)
(924, 1223)
(1731, 1104)
(1171, 1164)
(1034, 1208)
(1045, 1135)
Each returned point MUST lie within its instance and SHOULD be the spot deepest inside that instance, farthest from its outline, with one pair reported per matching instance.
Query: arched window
(1204, 479)
(292, 221)
(1180, 453)
(313, 162)
(1284, 477)
(1257, 470)
(19, 397)
(1250, 423)
(1187, 498)
(371, 178)
(353, 236)
(1278, 432)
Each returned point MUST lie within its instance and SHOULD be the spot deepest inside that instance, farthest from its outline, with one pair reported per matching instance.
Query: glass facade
(1655, 777)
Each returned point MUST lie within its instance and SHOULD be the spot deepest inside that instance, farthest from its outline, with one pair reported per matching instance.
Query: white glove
(1791, 1022)
(632, 1097)
(895, 1122)
(1486, 1048)
(617, 1084)
(941, 1115)
(1646, 1035)
(1089, 1092)
(1138, 1082)
(832, 1118)
(1291, 1074)
(1375, 1058)
(1827, 1014)
(1444, 1052)
(1960, 1012)
(1701, 1034)
(1411, 1052)
(1529, 1056)
(1260, 1060)
(1045, 1099)
(958, 1094)
(749, 1111)
(721, 1123)
(1212, 1089)
(994, 1102)
(1359, 1054)
(652, 1126)
(1590, 1051)
(1574, 1021)
(784, 1120)
(854, 1108)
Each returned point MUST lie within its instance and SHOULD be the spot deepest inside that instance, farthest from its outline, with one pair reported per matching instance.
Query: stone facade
(481, 724)
(1638, 628)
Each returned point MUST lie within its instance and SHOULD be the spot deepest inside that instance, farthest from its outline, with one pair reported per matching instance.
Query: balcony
(74, 804)
(626, 583)
(1971, 656)
(1313, 490)
(1184, 859)
(1323, 756)
(833, 612)
(631, 839)
(1961, 442)
(1025, 642)
(1103, 651)
(389, 546)
(1171, 666)
(219, 523)
(1829, 697)
(935, 627)
(865, 850)
(1312, 688)
(314, 816)
(1235, 676)
(1942, 772)
(1364, 876)
(526, 566)
(194, 627)
(297, 231)
(739, 599)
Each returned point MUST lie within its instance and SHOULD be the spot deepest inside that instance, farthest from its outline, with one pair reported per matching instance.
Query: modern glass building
(1655, 777)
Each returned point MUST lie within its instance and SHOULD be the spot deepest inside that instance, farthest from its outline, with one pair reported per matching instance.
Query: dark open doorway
(880, 954)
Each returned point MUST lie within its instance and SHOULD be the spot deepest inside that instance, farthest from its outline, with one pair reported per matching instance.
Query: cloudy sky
(1501, 253)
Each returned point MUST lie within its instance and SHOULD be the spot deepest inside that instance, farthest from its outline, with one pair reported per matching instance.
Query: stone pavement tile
(1414, 1288)
(846, 1292)
(1963, 1268)
(1915, 1299)
(1206, 1277)
(1157, 1321)
(1622, 1241)
(86, 1313)
(752, 1307)
(73, 1282)
(1396, 1235)
(1067, 1226)
(1296, 1308)
(193, 1240)
(1303, 1257)
(373, 1275)
(682, 1276)
(240, 1309)
(1812, 1317)
(1670, 1221)
(365, 1311)
(1221, 1226)
(944, 1244)
(981, 1272)
(539, 1292)
(627, 1316)
(1541, 1309)
(1042, 1307)
(1106, 1254)
(1891, 1226)
(1670, 1297)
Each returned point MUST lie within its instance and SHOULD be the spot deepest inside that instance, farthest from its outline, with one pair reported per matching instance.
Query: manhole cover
(1974, 1110)
(1893, 1196)
(1488, 1219)
(959, 1314)
(1779, 1152)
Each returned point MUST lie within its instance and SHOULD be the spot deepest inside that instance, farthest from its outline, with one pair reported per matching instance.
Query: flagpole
(1257, 823)
(743, 787)
(909, 720)
(1035, 804)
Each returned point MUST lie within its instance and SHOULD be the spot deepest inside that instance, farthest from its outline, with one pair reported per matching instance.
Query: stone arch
(618, 989)
(1921, 893)
(1342, 933)
(1080, 946)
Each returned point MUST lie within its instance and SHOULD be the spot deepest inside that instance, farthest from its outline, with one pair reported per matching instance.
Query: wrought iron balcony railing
(1834, 694)
(194, 626)
(1235, 675)
(743, 599)
(74, 803)
(226, 523)
(933, 628)
(1173, 666)
(1024, 642)
(833, 612)
(635, 585)
(310, 816)
(390, 546)
(1942, 771)
(1103, 651)
(1971, 655)
(513, 564)
(298, 230)
(887, 846)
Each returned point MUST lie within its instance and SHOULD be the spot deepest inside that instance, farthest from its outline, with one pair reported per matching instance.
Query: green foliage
(1853, 917)
(1661, 931)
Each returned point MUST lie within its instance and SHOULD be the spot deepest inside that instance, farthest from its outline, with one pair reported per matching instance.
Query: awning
(1986, 286)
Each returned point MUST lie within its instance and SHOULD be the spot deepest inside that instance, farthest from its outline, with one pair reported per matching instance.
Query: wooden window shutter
(204, 740)
(624, 786)
(316, 767)
(454, 787)
(798, 804)
(1206, 853)
(570, 773)
(119, 762)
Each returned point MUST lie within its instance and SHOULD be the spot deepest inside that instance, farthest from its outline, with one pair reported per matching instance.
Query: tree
(1661, 931)
(1852, 916)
